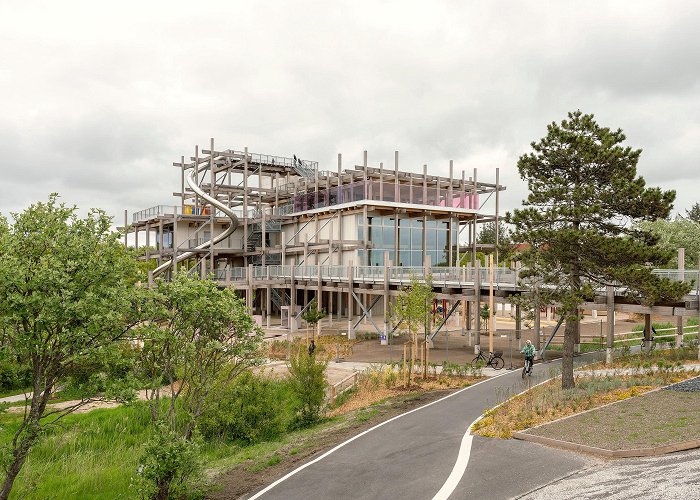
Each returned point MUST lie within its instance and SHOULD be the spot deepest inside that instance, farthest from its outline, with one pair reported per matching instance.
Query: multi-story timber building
(298, 230)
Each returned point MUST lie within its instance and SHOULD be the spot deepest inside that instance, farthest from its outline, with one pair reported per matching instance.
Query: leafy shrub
(13, 375)
(308, 383)
(252, 408)
(170, 467)
(101, 370)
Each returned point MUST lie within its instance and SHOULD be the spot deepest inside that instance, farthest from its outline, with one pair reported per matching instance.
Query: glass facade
(382, 236)
(383, 191)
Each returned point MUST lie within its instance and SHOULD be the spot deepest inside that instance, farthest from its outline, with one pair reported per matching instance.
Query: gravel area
(690, 385)
(654, 419)
(669, 477)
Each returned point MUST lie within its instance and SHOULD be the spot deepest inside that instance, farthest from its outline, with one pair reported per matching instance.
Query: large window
(410, 245)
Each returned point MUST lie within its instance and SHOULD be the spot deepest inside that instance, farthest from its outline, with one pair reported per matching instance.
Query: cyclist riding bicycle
(529, 352)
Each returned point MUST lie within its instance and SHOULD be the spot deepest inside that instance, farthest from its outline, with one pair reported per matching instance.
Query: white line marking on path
(455, 476)
(465, 450)
(299, 469)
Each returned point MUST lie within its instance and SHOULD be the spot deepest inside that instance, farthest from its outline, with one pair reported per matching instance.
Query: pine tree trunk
(567, 362)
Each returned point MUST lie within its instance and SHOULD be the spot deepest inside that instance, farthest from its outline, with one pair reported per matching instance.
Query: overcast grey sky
(98, 99)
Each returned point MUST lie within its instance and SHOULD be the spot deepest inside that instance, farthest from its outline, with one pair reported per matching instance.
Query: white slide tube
(192, 183)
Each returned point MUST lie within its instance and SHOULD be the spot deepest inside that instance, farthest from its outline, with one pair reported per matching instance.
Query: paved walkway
(413, 456)
(16, 398)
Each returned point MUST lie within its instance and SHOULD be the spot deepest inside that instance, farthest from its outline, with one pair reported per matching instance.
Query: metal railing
(228, 243)
(230, 274)
(396, 275)
(676, 275)
(156, 211)
(282, 161)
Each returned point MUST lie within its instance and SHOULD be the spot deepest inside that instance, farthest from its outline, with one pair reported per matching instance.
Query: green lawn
(95, 454)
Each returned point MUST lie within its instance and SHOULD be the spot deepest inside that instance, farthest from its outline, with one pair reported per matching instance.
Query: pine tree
(579, 221)
(694, 213)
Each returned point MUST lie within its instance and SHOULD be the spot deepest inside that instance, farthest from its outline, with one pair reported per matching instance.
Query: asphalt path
(413, 455)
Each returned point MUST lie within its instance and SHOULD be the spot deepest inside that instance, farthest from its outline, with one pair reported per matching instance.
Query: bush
(308, 383)
(170, 467)
(13, 375)
(98, 372)
(252, 408)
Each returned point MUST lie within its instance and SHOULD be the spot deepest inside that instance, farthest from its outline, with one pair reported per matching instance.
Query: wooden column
(679, 319)
(474, 231)
(518, 325)
(497, 207)
(351, 301)
(537, 326)
(477, 304)
(148, 241)
(292, 304)
(387, 325)
(397, 190)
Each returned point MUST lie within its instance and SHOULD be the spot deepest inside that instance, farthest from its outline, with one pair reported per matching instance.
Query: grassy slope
(93, 455)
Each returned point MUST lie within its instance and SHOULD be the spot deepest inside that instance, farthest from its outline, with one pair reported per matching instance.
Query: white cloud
(98, 101)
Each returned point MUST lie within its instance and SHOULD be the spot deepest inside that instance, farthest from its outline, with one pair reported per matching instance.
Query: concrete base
(637, 452)
(608, 356)
(351, 331)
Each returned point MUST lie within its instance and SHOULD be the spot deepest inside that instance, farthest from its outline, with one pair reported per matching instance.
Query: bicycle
(527, 369)
(495, 360)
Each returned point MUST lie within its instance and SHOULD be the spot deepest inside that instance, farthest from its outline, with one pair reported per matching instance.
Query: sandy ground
(455, 347)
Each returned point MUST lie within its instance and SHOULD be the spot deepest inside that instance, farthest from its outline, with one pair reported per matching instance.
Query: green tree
(675, 234)
(198, 338)
(485, 314)
(694, 213)
(313, 315)
(66, 291)
(487, 234)
(412, 309)
(579, 220)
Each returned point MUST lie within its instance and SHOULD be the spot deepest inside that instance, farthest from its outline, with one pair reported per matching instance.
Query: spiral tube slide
(192, 183)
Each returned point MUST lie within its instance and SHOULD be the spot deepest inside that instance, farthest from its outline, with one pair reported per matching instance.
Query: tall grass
(89, 455)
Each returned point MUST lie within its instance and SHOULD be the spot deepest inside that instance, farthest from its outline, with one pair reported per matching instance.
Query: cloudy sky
(97, 99)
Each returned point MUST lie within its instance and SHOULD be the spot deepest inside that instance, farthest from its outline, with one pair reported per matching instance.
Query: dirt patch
(366, 393)
(88, 407)
(246, 477)
(655, 419)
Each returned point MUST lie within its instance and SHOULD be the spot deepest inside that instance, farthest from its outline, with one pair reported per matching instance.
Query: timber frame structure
(285, 233)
